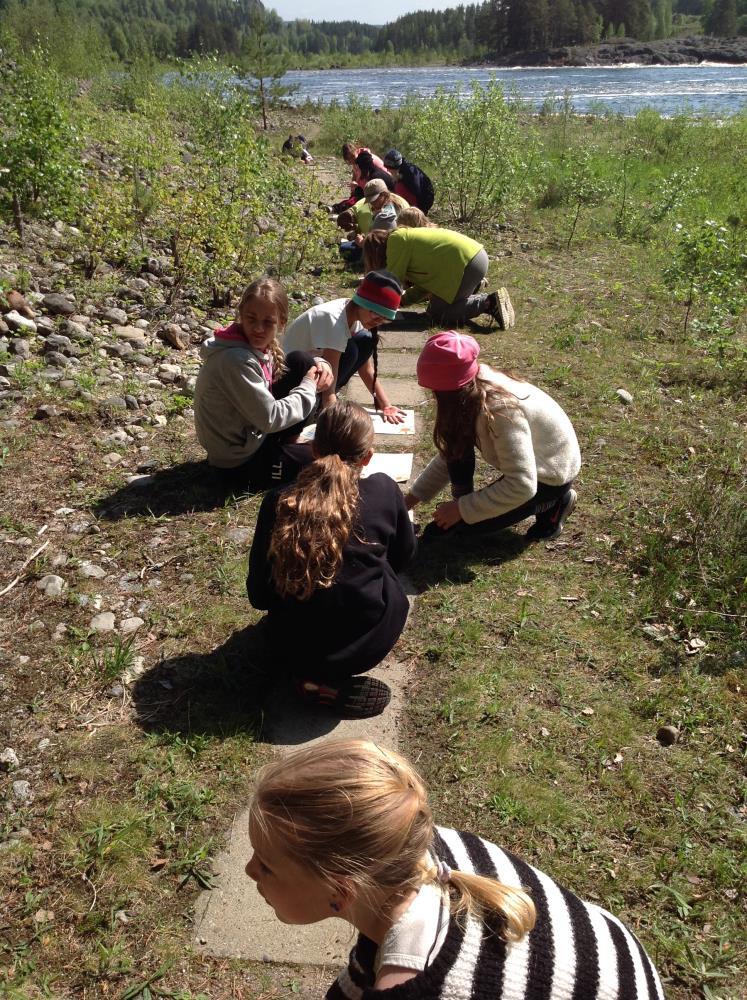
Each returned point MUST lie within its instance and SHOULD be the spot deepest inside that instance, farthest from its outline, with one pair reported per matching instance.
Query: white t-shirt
(320, 327)
(419, 933)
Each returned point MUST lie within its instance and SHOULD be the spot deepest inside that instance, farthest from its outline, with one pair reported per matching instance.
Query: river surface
(701, 90)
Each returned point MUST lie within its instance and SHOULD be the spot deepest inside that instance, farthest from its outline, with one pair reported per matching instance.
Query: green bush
(474, 151)
(38, 141)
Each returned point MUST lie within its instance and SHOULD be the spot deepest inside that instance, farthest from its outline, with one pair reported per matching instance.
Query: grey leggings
(466, 304)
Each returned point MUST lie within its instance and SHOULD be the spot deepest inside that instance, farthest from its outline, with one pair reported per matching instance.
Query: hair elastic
(443, 872)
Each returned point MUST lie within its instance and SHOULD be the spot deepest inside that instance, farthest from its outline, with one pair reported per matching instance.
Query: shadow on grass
(459, 558)
(180, 489)
(238, 687)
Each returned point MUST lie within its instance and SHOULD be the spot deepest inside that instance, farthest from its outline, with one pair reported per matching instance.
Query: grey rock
(114, 403)
(129, 625)
(115, 315)
(20, 323)
(239, 536)
(123, 350)
(58, 305)
(48, 412)
(116, 691)
(51, 585)
(57, 359)
(22, 793)
(60, 342)
(103, 622)
(45, 325)
(8, 760)
(91, 571)
(115, 437)
(76, 331)
(624, 396)
(132, 334)
(154, 266)
(138, 284)
(131, 402)
(113, 458)
(21, 348)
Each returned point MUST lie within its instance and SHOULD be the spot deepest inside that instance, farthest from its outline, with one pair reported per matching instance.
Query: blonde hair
(273, 291)
(374, 250)
(349, 810)
(413, 218)
(316, 514)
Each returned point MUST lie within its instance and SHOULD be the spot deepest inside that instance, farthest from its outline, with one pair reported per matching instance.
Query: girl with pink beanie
(520, 431)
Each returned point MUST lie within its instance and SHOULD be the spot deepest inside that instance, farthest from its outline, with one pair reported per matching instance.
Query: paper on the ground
(398, 467)
(382, 427)
(379, 424)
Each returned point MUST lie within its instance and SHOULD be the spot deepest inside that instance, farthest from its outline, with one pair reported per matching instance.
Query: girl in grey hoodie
(250, 400)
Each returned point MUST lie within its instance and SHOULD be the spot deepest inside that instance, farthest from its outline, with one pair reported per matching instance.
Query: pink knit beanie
(448, 361)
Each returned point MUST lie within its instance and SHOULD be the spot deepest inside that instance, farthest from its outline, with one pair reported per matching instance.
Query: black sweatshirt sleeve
(258, 583)
(402, 545)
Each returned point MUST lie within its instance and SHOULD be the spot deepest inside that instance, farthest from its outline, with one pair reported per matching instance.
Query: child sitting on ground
(520, 431)
(345, 333)
(343, 828)
(250, 400)
(324, 564)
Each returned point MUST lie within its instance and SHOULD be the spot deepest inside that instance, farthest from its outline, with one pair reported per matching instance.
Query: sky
(381, 12)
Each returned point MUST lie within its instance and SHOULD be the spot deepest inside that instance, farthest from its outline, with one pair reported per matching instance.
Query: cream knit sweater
(526, 443)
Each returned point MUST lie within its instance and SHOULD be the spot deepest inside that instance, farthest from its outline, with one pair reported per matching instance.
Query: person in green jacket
(444, 266)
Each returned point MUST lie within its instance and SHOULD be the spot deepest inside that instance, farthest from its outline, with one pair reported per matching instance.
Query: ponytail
(512, 909)
(316, 514)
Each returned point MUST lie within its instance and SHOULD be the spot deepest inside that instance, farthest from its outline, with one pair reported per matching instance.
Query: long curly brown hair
(458, 410)
(317, 513)
(268, 288)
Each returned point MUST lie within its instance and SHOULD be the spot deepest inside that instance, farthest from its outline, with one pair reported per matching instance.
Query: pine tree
(722, 19)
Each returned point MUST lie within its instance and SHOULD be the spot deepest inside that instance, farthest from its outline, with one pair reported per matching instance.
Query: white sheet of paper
(398, 467)
(382, 427)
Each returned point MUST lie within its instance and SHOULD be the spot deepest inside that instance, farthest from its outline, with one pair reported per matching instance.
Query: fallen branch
(30, 559)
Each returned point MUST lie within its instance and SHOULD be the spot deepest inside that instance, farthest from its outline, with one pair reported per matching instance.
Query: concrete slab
(401, 392)
(232, 920)
(398, 363)
(397, 340)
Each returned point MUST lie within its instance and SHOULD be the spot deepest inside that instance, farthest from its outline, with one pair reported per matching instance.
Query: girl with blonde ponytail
(343, 828)
(324, 564)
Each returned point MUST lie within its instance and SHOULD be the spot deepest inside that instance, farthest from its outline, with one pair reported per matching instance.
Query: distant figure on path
(520, 431)
(343, 828)
(409, 181)
(324, 564)
(350, 153)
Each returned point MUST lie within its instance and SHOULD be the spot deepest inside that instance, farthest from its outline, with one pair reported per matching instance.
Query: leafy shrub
(474, 151)
(38, 140)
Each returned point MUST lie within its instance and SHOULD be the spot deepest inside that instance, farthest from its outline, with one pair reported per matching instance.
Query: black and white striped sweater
(576, 951)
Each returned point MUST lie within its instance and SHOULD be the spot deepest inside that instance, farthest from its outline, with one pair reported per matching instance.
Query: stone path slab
(232, 920)
(402, 340)
(398, 363)
(401, 392)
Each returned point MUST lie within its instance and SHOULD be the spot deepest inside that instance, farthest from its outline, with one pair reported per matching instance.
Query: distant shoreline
(666, 52)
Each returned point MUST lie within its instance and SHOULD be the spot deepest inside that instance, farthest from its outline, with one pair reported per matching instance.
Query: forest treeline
(129, 29)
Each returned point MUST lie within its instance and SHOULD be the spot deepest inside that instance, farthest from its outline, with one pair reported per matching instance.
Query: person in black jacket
(324, 564)
(410, 182)
(368, 172)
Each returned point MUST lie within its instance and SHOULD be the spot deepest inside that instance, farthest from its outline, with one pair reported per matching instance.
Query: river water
(701, 90)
